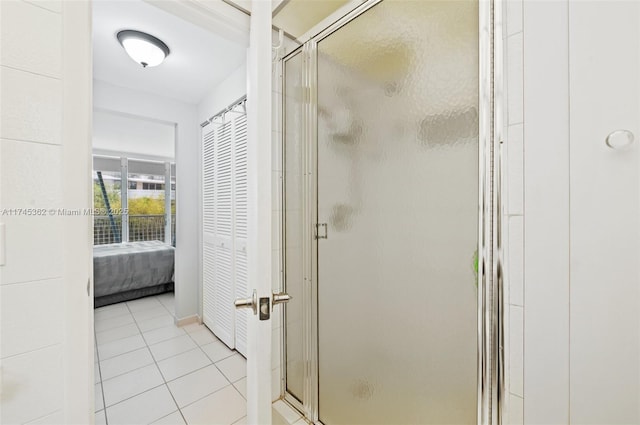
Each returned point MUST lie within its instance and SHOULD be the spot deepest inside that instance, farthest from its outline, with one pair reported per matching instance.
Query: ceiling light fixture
(143, 48)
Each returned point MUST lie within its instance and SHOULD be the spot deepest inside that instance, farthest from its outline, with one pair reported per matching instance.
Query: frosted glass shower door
(397, 192)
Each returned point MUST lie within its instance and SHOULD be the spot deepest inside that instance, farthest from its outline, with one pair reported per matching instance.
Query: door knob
(251, 302)
(280, 298)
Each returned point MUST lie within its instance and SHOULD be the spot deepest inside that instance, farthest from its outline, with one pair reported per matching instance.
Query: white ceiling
(199, 59)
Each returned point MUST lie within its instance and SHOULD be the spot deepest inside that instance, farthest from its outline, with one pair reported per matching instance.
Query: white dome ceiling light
(143, 48)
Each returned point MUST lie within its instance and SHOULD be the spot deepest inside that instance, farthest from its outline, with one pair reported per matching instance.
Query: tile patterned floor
(150, 371)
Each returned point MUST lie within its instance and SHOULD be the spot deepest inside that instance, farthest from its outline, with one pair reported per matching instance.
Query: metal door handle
(280, 298)
(251, 303)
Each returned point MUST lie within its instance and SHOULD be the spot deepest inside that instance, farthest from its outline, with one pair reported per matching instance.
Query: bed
(130, 270)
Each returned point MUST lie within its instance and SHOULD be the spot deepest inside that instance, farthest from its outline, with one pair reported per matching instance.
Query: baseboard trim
(188, 320)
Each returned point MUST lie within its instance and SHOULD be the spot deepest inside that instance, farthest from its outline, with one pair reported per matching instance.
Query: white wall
(219, 97)
(133, 137)
(537, 211)
(46, 348)
(188, 205)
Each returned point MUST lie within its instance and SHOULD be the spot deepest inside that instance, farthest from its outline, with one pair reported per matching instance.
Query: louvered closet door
(218, 276)
(240, 226)
(208, 224)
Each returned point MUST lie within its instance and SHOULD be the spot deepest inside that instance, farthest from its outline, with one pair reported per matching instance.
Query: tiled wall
(31, 147)
(513, 166)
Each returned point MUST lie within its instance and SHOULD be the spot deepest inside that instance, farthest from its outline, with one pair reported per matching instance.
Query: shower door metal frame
(490, 358)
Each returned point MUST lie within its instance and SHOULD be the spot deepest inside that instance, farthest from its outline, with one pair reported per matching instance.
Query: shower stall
(389, 216)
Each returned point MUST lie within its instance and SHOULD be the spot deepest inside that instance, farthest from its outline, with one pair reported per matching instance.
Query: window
(107, 205)
(152, 186)
(143, 214)
(147, 216)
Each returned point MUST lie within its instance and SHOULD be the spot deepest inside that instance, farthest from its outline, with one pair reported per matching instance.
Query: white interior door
(604, 46)
(259, 211)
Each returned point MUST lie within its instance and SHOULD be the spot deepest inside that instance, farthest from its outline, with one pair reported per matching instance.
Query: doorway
(388, 218)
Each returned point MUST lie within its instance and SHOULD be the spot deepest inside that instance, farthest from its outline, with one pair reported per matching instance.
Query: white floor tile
(150, 313)
(143, 408)
(162, 334)
(143, 304)
(194, 327)
(172, 347)
(130, 384)
(177, 366)
(125, 363)
(101, 419)
(99, 401)
(222, 407)
(234, 367)
(117, 333)
(241, 386)
(156, 322)
(56, 418)
(102, 325)
(203, 337)
(167, 296)
(166, 300)
(121, 346)
(134, 387)
(198, 384)
(96, 373)
(241, 421)
(169, 305)
(173, 419)
(217, 351)
(111, 311)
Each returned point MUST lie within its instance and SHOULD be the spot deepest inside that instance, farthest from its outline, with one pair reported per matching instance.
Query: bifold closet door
(225, 229)
(240, 226)
(218, 275)
(398, 178)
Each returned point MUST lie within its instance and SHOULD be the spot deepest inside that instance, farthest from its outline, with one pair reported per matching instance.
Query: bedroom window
(147, 207)
(131, 200)
(107, 204)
